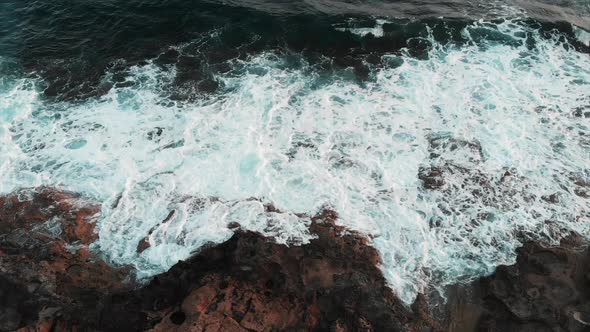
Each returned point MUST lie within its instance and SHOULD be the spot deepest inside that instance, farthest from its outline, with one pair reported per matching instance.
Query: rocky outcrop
(250, 283)
(50, 281)
(548, 289)
(48, 277)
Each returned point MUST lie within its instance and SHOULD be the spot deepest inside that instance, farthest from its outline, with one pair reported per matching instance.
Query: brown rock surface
(250, 283)
(46, 269)
(50, 281)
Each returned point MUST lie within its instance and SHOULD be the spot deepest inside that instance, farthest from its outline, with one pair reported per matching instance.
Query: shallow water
(159, 106)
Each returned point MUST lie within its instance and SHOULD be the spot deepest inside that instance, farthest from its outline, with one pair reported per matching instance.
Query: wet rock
(553, 198)
(143, 245)
(167, 58)
(233, 225)
(50, 281)
(155, 134)
(546, 290)
(145, 242)
(582, 187)
(222, 55)
(432, 177)
(9, 319)
(250, 283)
(46, 268)
(582, 111)
(208, 86)
(442, 145)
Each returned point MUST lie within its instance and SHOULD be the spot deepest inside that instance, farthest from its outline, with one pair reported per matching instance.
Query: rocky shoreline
(51, 281)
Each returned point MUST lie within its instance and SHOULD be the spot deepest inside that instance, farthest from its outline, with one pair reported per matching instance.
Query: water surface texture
(449, 131)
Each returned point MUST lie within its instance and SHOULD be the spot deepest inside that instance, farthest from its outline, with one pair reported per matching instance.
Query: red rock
(250, 283)
(44, 237)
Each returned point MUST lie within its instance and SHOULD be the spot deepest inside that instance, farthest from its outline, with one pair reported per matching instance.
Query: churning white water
(503, 123)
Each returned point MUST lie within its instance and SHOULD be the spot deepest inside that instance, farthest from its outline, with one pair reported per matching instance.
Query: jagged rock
(50, 281)
(546, 290)
(431, 177)
(143, 245)
(45, 262)
(250, 283)
(145, 242)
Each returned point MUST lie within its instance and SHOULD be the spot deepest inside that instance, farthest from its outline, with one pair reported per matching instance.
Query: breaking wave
(448, 152)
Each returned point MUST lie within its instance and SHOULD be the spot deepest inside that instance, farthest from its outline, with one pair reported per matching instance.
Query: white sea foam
(376, 30)
(582, 35)
(281, 136)
(17, 99)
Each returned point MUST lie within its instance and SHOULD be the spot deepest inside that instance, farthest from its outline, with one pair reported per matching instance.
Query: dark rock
(251, 283)
(143, 245)
(168, 57)
(222, 55)
(248, 283)
(208, 86)
(50, 271)
(155, 134)
(9, 319)
(553, 198)
(581, 187)
(145, 242)
(442, 145)
(432, 177)
(546, 290)
(233, 225)
(177, 318)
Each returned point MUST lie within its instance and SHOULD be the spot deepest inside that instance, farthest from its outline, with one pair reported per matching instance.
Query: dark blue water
(72, 44)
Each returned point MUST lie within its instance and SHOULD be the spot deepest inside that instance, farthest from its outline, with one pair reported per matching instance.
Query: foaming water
(18, 97)
(498, 123)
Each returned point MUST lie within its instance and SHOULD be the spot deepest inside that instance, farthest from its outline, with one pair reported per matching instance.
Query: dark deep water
(72, 43)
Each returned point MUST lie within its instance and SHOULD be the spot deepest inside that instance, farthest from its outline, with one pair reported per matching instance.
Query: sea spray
(495, 123)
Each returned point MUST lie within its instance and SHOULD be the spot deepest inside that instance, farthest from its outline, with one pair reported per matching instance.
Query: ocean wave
(448, 149)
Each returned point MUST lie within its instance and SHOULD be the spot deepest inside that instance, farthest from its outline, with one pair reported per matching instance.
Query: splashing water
(495, 126)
